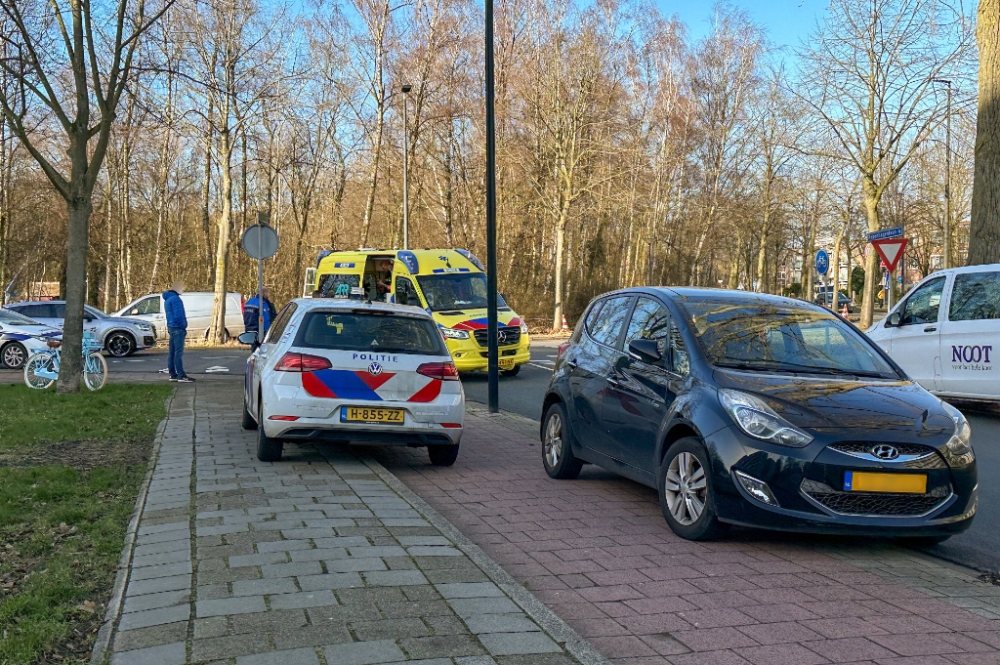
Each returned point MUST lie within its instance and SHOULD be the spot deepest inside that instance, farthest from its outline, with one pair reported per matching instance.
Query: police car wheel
(268, 449)
(443, 455)
(13, 355)
(511, 372)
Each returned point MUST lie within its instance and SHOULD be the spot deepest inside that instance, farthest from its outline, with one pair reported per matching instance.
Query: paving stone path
(316, 560)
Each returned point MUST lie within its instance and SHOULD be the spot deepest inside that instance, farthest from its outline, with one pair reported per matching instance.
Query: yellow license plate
(506, 364)
(900, 483)
(358, 414)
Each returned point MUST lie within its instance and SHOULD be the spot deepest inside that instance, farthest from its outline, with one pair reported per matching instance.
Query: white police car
(351, 371)
(946, 333)
(20, 337)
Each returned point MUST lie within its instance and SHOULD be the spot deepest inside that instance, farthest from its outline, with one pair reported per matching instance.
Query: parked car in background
(198, 307)
(20, 337)
(826, 300)
(120, 337)
(946, 332)
(756, 410)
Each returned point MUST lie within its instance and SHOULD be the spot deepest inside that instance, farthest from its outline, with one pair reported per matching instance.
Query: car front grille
(910, 455)
(506, 336)
(878, 504)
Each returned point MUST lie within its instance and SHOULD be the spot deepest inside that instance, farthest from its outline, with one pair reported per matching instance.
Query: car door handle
(930, 329)
(613, 381)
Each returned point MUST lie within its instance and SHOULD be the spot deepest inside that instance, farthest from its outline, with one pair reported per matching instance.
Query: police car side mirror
(893, 320)
(247, 338)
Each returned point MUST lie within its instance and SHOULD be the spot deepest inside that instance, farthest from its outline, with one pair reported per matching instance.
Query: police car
(342, 370)
(945, 333)
(21, 337)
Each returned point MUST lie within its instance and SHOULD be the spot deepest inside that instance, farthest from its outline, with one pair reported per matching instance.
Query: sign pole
(493, 351)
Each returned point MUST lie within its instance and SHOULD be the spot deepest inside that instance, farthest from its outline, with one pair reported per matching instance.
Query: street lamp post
(946, 262)
(493, 380)
(406, 169)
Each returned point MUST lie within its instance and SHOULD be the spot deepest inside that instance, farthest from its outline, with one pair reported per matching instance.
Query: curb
(114, 611)
(534, 608)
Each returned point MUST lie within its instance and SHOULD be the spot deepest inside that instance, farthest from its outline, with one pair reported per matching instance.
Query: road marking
(216, 369)
(548, 369)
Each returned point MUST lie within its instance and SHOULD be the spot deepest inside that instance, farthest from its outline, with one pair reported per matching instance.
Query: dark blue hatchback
(744, 408)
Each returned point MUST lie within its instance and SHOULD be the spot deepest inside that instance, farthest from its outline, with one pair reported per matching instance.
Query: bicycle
(42, 369)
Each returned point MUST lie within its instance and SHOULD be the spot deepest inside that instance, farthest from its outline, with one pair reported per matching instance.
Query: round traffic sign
(822, 261)
(260, 241)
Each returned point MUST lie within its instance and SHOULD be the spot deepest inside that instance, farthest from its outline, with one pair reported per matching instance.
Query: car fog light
(758, 489)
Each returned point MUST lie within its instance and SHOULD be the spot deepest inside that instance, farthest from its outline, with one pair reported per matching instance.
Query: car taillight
(439, 371)
(561, 350)
(301, 362)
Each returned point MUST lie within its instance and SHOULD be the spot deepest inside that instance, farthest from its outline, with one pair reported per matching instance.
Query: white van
(197, 308)
(946, 332)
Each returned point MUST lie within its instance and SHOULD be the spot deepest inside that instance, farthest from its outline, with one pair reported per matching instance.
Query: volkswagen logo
(374, 369)
(502, 337)
(885, 452)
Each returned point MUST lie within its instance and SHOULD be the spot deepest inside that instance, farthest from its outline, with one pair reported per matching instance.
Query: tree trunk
(373, 179)
(557, 312)
(218, 330)
(78, 211)
(110, 244)
(984, 230)
(871, 261)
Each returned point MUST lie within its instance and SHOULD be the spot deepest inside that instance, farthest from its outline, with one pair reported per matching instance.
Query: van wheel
(268, 449)
(557, 445)
(686, 495)
(511, 372)
(443, 455)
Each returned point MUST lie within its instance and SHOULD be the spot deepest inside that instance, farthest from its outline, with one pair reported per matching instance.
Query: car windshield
(456, 291)
(766, 336)
(11, 318)
(368, 331)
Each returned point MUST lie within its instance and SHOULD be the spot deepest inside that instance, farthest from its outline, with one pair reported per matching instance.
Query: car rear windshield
(765, 336)
(370, 331)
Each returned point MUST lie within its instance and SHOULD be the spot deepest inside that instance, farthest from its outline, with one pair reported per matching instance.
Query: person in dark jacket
(177, 323)
(250, 314)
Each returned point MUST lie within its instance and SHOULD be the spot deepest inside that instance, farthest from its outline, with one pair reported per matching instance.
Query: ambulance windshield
(456, 291)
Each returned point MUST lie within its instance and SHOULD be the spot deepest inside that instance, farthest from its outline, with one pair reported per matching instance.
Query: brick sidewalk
(598, 552)
(315, 560)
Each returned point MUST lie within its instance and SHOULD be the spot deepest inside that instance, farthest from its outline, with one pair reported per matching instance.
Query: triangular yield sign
(891, 250)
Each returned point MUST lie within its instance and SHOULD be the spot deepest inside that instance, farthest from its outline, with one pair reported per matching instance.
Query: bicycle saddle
(53, 343)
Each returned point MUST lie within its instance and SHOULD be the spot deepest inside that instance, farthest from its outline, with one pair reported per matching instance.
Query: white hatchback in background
(946, 333)
(347, 371)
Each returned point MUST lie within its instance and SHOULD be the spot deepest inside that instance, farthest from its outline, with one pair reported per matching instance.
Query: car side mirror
(133, 311)
(893, 320)
(247, 338)
(645, 350)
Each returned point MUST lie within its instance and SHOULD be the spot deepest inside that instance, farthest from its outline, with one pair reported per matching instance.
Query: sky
(787, 22)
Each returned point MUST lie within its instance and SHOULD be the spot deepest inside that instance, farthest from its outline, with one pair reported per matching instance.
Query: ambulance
(450, 284)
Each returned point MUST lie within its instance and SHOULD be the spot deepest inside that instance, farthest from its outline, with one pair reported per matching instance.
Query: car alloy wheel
(557, 448)
(14, 355)
(553, 440)
(686, 488)
(120, 344)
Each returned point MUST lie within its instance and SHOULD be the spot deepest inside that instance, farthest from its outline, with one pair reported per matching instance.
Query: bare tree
(65, 57)
(984, 231)
(869, 76)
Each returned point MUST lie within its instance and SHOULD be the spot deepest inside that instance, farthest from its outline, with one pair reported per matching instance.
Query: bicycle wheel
(95, 371)
(39, 361)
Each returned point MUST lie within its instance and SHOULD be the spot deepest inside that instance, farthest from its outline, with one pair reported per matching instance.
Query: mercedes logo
(502, 337)
(374, 369)
(885, 452)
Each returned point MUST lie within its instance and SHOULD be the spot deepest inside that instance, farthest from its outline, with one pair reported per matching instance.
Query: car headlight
(144, 327)
(960, 443)
(524, 328)
(752, 415)
(451, 333)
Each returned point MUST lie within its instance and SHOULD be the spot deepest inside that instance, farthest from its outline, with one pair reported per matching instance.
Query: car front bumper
(808, 489)
(469, 356)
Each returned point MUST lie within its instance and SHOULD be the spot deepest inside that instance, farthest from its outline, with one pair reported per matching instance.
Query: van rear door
(970, 336)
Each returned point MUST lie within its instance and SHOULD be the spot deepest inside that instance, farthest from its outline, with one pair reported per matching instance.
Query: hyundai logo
(885, 452)
(374, 369)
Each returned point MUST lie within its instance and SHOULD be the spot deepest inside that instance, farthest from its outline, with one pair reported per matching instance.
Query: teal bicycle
(42, 369)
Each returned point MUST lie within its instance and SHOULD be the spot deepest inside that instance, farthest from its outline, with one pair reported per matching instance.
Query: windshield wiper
(778, 366)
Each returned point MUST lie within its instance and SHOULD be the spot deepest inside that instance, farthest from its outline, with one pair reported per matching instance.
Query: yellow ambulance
(448, 283)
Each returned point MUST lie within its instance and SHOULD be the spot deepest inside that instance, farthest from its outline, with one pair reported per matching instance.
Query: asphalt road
(979, 547)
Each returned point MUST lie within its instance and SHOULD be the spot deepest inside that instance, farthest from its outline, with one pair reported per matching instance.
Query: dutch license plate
(506, 364)
(360, 414)
(900, 483)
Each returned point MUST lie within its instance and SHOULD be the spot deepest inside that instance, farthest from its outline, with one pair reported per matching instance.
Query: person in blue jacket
(177, 329)
(250, 314)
